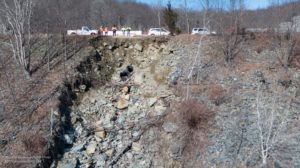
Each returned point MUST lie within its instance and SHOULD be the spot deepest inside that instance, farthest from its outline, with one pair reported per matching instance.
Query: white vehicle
(83, 31)
(158, 32)
(202, 31)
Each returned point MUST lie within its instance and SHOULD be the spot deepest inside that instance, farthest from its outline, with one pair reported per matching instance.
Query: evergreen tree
(170, 18)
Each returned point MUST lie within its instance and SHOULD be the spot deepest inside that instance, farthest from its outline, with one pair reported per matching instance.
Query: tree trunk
(27, 73)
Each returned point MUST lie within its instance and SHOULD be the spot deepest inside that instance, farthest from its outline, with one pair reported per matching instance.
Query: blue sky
(195, 4)
(254, 4)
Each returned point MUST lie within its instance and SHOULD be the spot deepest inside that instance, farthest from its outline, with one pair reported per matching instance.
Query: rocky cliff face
(130, 109)
(120, 92)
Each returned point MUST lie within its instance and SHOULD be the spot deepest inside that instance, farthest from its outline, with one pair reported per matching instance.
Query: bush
(285, 47)
(194, 115)
(193, 119)
(232, 46)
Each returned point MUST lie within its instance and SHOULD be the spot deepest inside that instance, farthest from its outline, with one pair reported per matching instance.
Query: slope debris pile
(107, 119)
(141, 116)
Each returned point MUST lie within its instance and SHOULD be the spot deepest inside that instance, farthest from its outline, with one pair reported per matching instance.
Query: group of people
(104, 31)
(126, 29)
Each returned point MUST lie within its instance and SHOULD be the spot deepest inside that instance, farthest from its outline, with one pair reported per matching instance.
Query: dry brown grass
(216, 94)
(147, 94)
(296, 55)
(187, 39)
(244, 68)
(193, 119)
(194, 115)
(25, 151)
(215, 91)
(34, 144)
(34, 111)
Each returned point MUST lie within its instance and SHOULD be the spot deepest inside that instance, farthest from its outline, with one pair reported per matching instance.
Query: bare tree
(231, 35)
(285, 49)
(186, 14)
(194, 66)
(273, 123)
(157, 8)
(205, 5)
(17, 15)
(285, 44)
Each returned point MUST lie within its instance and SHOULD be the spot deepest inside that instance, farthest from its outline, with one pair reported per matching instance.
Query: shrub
(232, 46)
(194, 115)
(193, 119)
(285, 47)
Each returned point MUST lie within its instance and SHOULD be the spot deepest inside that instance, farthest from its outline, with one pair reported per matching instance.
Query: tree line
(26, 17)
(57, 14)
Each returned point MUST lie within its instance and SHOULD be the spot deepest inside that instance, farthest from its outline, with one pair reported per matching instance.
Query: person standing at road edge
(123, 30)
(114, 29)
(128, 29)
(106, 31)
(100, 31)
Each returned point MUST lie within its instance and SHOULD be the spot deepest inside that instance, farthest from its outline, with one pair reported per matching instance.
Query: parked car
(158, 32)
(83, 31)
(202, 31)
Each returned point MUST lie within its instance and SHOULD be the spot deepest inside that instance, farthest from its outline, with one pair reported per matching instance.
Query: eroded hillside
(175, 102)
(143, 117)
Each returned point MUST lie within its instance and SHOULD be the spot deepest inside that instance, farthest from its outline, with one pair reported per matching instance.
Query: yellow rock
(122, 103)
(101, 134)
